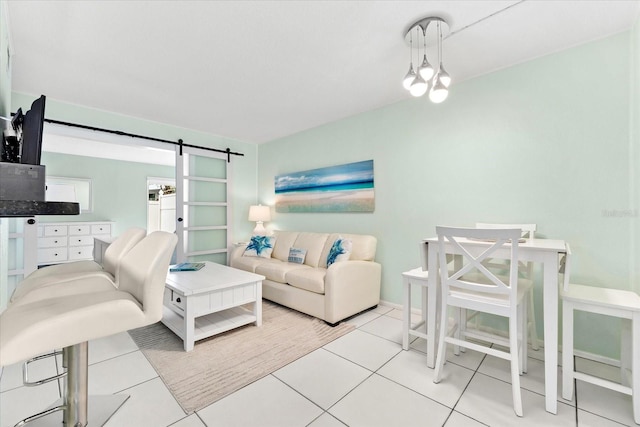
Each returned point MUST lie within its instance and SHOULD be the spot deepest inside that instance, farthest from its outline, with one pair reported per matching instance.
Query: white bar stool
(610, 302)
(426, 327)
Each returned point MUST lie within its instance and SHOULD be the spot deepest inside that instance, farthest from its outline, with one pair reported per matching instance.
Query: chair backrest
(472, 276)
(565, 267)
(119, 248)
(143, 271)
(528, 231)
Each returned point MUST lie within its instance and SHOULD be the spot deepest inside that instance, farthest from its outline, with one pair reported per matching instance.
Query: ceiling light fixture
(426, 79)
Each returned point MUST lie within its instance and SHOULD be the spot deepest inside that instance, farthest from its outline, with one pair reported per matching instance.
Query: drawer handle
(55, 241)
(55, 230)
(178, 300)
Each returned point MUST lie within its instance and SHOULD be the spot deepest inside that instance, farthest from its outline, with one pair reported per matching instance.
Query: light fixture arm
(423, 24)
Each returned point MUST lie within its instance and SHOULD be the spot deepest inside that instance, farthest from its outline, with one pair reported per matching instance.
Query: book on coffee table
(187, 266)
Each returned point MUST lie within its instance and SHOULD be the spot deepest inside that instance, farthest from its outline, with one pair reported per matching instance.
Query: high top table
(547, 253)
(203, 303)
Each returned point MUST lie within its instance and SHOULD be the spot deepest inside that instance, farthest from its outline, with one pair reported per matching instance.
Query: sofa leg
(333, 325)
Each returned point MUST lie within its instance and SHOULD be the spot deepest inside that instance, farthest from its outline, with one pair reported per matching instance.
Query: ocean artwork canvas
(341, 188)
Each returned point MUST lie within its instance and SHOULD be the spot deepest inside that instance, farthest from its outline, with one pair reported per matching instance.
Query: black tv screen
(32, 127)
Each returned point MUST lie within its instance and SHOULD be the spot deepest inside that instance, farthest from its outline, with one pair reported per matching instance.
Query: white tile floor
(361, 379)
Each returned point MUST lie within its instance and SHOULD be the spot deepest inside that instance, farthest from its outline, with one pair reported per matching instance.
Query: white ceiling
(255, 71)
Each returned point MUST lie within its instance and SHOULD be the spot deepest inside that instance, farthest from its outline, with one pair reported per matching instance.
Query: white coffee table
(199, 304)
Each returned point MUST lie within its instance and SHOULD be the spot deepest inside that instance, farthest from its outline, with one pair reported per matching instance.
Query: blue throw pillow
(260, 246)
(340, 251)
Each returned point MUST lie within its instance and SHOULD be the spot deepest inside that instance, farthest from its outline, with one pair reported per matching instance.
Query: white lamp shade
(419, 87)
(408, 79)
(426, 70)
(438, 92)
(259, 213)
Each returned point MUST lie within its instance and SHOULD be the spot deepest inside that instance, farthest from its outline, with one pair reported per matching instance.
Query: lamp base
(259, 230)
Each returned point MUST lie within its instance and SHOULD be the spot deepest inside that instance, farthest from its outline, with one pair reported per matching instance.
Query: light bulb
(439, 91)
(409, 78)
(419, 87)
(444, 76)
(425, 69)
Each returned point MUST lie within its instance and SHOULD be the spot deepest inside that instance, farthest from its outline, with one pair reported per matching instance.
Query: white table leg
(189, 325)
(431, 319)
(406, 312)
(635, 365)
(434, 304)
(550, 309)
(257, 306)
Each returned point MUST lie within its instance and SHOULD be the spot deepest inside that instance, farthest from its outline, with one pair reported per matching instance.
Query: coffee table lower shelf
(210, 324)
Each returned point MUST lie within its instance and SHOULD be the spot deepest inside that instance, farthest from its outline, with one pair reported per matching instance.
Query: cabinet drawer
(55, 230)
(80, 252)
(52, 242)
(80, 240)
(79, 230)
(174, 301)
(101, 229)
(51, 255)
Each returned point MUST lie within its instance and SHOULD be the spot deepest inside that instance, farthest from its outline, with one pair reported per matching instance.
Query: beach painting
(342, 188)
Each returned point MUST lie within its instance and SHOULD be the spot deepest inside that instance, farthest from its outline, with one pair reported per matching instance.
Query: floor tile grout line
(475, 372)
(302, 395)
(371, 374)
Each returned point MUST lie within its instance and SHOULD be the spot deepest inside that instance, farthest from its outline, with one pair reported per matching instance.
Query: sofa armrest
(237, 251)
(351, 287)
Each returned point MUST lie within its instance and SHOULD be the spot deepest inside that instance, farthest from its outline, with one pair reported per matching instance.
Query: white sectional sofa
(332, 293)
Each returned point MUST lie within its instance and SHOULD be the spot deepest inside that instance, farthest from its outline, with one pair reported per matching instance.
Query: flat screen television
(32, 128)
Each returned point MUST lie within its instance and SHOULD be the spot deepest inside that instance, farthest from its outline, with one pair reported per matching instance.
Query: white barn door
(202, 205)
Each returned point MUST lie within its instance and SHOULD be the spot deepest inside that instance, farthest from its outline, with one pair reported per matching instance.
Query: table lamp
(259, 214)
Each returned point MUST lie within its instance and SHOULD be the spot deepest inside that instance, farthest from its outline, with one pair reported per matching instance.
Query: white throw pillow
(297, 255)
(260, 246)
(340, 251)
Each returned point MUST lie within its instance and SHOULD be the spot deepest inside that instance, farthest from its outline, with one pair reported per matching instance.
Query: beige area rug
(224, 363)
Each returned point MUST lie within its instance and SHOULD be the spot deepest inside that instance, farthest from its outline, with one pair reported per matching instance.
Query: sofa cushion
(249, 263)
(284, 242)
(313, 243)
(309, 279)
(260, 246)
(277, 270)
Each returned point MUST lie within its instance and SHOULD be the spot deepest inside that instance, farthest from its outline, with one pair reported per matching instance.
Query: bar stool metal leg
(78, 409)
(75, 397)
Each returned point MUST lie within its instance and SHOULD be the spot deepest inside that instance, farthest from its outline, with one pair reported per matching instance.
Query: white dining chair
(470, 285)
(610, 302)
(526, 271)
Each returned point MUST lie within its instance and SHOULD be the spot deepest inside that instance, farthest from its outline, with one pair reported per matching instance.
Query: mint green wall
(5, 102)
(634, 158)
(547, 142)
(5, 72)
(119, 187)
